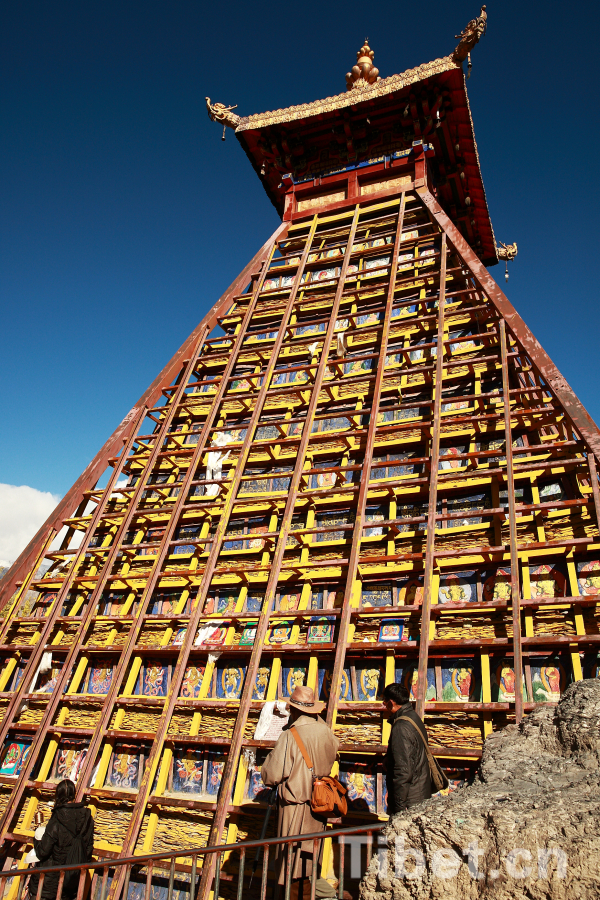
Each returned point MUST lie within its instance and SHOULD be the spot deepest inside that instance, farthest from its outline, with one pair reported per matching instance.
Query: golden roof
(349, 98)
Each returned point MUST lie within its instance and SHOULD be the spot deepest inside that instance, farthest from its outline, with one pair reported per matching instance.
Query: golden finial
(364, 73)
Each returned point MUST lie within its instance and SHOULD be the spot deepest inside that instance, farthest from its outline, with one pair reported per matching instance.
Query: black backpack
(75, 855)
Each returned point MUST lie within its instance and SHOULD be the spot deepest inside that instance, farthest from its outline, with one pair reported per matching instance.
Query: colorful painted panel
(410, 592)
(377, 595)
(254, 602)
(255, 791)
(360, 781)
(408, 675)
(211, 634)
(126, 766)
(224, 602)
(154, 679)
(230, 681)
(248, 635)
(326, 599)
(100, 677)
(192, 682)
(188, 772)
(320, 631)
(69, 760)
(261, 683)
(358, 367)
(111, 604)
(458, 587)
(391, 630)
(280, 633)
(289, 601)
(503, 681)
(588, 577)
(18, 674)
(47, 680)
(14, 755)
(459, 681)
(496, 585)
(369, 683)
(549, 678)
(547, 581)
(325, 675)
(178, 636)
(448, 456)
(214, 772)
(291, 678)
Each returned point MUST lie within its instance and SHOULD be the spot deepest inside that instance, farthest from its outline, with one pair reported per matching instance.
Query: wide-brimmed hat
(303, 698)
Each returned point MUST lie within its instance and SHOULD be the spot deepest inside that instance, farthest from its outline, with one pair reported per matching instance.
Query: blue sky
(124, 215)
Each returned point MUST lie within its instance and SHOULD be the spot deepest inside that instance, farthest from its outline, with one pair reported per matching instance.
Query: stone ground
(537, 792)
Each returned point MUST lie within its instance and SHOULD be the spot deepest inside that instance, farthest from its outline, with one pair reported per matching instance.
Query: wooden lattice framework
(374, 474)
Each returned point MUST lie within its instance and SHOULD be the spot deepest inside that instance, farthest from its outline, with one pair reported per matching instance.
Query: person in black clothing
(408, 775)
(67, 820)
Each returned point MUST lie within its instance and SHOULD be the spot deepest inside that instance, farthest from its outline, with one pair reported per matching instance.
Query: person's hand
(39, 832)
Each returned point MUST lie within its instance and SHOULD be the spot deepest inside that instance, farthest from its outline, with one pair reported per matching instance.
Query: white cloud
(22, 510)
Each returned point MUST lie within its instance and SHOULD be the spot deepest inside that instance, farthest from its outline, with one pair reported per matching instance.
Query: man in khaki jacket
(285, 768)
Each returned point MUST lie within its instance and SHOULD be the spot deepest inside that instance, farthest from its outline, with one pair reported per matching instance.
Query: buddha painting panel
(458, 681)
(188, 770)
(548, 680)
(497, 586)
(588, 577)
(409, 677)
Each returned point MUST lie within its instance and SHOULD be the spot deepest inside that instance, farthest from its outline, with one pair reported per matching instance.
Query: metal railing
(162, 869)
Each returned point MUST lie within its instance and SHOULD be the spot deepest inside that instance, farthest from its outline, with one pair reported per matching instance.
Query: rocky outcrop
(529, 826)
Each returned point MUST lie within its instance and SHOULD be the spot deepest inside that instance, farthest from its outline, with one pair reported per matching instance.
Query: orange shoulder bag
(328, 794)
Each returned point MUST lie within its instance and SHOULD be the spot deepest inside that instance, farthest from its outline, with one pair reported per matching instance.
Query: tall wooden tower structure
(375, 473)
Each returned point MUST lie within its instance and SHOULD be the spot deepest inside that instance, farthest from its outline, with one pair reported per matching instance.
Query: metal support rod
(148, 893)
(313, 874)
(433, 487)
(105, 871)
(171, 879)
(217, 874)
(125, 885)
(265, 870)
(512, 522)
(240, 886)
(288, 870)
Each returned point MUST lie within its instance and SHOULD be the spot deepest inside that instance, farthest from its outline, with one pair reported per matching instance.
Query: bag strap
(430, 759)
(301, 747)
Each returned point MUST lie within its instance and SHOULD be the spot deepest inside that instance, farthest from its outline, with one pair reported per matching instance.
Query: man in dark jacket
(408, 776)
(68, 819)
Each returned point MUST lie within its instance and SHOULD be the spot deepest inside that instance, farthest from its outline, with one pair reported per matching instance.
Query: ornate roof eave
(349, 98)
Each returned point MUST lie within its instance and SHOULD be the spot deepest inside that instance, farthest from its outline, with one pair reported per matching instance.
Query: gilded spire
(364, 73)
